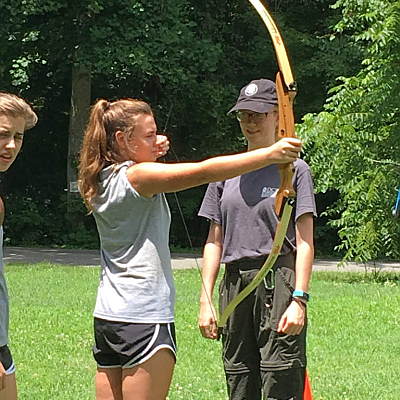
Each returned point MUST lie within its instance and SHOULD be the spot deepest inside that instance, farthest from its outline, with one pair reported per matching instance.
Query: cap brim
(255, 106)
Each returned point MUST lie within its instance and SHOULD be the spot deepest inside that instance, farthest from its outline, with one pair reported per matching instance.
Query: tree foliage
(354, 144)
(188, 58)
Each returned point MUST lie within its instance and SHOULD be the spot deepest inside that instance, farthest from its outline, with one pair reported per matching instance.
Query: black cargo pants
(257, 359)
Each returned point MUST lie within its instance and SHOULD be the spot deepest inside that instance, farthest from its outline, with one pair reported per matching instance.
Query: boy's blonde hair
(14, 106)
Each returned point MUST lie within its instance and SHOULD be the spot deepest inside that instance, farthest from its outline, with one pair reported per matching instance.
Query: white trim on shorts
(172, 339)
(133, 363)
(11, 369)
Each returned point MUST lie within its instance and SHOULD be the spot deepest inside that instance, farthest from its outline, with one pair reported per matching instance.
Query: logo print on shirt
(268, 192)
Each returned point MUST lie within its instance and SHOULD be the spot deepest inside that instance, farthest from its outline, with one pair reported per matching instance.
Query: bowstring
(199, 270)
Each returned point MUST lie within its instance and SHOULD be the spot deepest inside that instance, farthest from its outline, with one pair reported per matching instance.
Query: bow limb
(286, 128)
(280, 49)
(286, 89)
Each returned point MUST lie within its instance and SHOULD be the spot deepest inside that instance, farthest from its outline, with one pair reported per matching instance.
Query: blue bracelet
(301, 294)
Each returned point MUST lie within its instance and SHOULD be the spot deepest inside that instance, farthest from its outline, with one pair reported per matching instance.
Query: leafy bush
(33, 221)
(353, 146)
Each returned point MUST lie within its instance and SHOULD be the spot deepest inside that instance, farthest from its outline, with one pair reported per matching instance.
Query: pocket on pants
(284, 286)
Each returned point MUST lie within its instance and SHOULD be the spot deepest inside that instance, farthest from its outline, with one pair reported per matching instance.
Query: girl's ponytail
(93, 152)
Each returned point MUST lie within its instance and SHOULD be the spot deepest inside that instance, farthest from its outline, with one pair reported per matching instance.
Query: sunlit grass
(353, 339)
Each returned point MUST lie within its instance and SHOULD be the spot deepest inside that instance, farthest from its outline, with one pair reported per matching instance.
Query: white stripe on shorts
(11, 369)
(133, 363)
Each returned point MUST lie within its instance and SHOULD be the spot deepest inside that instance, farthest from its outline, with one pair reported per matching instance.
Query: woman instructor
(265, 337)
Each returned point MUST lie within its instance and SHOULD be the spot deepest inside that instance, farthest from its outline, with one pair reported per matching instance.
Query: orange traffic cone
(307, 395)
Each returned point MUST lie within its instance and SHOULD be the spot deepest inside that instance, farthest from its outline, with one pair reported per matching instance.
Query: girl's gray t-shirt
(136, 282)
(245, 208)
(4, 301)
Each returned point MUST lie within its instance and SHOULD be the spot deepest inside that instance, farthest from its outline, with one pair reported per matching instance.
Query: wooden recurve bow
(286, 90)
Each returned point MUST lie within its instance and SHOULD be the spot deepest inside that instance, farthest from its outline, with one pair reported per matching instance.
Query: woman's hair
(99, 148)
(14, 106)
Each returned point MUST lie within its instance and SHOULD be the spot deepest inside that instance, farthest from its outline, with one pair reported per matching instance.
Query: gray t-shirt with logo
(136, 283)
(4, 302)
(245, 208)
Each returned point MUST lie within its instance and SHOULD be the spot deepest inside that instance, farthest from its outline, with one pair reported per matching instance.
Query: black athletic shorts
(6, 360)
(126, 345)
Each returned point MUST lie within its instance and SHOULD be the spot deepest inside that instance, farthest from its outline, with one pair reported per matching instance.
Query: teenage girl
(123, 186)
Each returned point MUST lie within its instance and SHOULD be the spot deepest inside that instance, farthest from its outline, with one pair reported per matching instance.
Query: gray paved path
(179, 261)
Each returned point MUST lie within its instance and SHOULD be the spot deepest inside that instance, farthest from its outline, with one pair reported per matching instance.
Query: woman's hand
(207, 322)
(286, 150)
(292, 320)
(162, 145)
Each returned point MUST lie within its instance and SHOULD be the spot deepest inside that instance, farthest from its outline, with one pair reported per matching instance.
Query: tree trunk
(80, 105)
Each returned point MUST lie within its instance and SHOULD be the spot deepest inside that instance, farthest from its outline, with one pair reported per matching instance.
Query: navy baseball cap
(258, 96)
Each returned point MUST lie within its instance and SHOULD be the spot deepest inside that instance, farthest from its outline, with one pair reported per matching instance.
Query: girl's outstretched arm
(149, 178)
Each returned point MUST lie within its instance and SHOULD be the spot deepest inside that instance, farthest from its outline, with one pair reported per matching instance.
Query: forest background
(189, 59)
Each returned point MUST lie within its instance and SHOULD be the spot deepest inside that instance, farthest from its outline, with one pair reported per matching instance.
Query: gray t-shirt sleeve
(4, 301)
(210, 207)
(303, 185)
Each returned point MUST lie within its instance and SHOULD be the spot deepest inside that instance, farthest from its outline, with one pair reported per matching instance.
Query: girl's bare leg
(109, 384)
(150, 380)
(8, 389)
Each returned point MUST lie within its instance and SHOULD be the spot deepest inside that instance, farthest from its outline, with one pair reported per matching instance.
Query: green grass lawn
(353, 337)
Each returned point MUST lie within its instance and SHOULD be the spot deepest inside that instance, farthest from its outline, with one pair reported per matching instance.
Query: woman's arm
(149, 178)
(305, 251)
(292, 321)
(211, 264)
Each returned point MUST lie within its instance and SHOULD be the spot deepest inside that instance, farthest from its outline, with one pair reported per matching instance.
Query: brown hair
(99, 148)
(15, 106)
